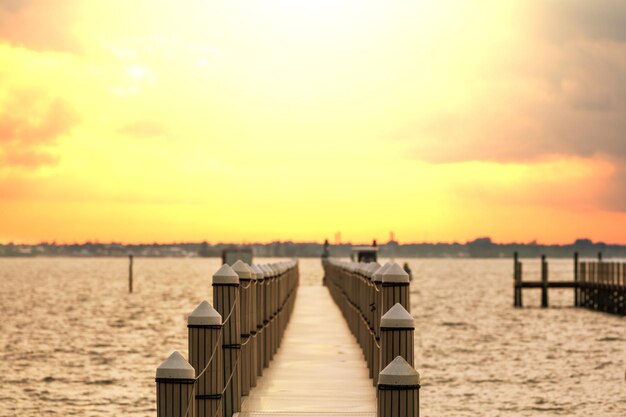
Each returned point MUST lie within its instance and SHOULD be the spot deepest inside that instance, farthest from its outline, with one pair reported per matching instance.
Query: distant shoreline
(482, 248)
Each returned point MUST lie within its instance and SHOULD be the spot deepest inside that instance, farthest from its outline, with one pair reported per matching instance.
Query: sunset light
(292, 120)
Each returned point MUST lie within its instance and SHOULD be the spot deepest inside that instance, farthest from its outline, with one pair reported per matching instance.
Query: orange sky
(253, 121)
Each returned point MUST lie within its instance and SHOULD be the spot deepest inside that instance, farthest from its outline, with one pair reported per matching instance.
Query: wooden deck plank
(319, 367)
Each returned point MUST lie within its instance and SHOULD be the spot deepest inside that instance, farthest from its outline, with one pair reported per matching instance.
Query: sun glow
(289, 120)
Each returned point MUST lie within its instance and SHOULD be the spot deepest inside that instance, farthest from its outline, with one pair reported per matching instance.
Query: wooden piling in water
(544, 282)
(205, 355)
(398, 390)
(576, 281)
(130, 273)
(517, 281)
(175, 379)
(226, 302)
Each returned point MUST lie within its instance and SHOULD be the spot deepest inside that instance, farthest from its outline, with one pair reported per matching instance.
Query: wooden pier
(320, 369)
(598, 285)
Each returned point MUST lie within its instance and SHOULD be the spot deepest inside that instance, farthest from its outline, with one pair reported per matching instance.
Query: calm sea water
(74, 342)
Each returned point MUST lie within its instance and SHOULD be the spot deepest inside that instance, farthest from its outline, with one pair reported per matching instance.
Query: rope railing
(257, 302)
(375, 302)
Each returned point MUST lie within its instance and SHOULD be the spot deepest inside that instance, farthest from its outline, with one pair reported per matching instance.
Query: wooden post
(396, 336)
(275, 305)
(395, 288)
(245, 279)
(130, 273)
(226, 302)
(274, 318)
(582, 285)
(377, 305)
(517, 281)
(205, 355)
(599, 256)
(258, 313)
(622, 290)
(175, 380)
(254, 330)
(398, 390)
(267, 337)
(576, 281)
(370, 337)
(544, 282)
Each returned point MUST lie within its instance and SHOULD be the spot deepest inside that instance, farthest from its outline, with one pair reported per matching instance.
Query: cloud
(30, 124)
(567, 20)
(39, 24)
(559, 90)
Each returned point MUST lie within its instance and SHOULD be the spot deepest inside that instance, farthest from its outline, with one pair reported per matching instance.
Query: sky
(245, 121)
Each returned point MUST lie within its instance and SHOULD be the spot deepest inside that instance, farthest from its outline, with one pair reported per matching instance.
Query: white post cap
(258, 272)
(242, 269)
(397, 317)
(399, 372)
(225, 275)
(395, 273)
(377, 276)
(371, 268)
(266, 270)
(205, 315)
(175, 367)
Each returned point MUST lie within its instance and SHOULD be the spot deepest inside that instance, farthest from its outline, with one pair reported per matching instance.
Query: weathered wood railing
(375, 301)
(230, 343)
(598, 285)
(601, 286)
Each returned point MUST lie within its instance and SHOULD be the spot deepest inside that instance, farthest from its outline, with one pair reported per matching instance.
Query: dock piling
(395, 288)
(398, 390)
(226, 302)
(576, 281)
(253, 328)
(517, 281)
(260, 285)
(245, 279)
(205, 355)
(175, 380)
(377, 302)
(396, 336)
(130, 273)
(544, 282)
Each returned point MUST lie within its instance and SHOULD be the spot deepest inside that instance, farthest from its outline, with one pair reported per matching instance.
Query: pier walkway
(319, 367)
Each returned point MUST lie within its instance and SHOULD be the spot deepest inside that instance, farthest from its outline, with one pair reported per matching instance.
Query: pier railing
(598, 285)
(230, 343)
(375, 301)
(601, 286)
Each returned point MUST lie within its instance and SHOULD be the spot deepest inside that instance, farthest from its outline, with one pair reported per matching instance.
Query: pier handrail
(375, 302)
(258, 301)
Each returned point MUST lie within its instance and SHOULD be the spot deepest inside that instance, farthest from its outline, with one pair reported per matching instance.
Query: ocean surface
(74, 342)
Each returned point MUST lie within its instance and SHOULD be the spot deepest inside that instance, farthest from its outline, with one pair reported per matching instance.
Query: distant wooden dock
(598, 285)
